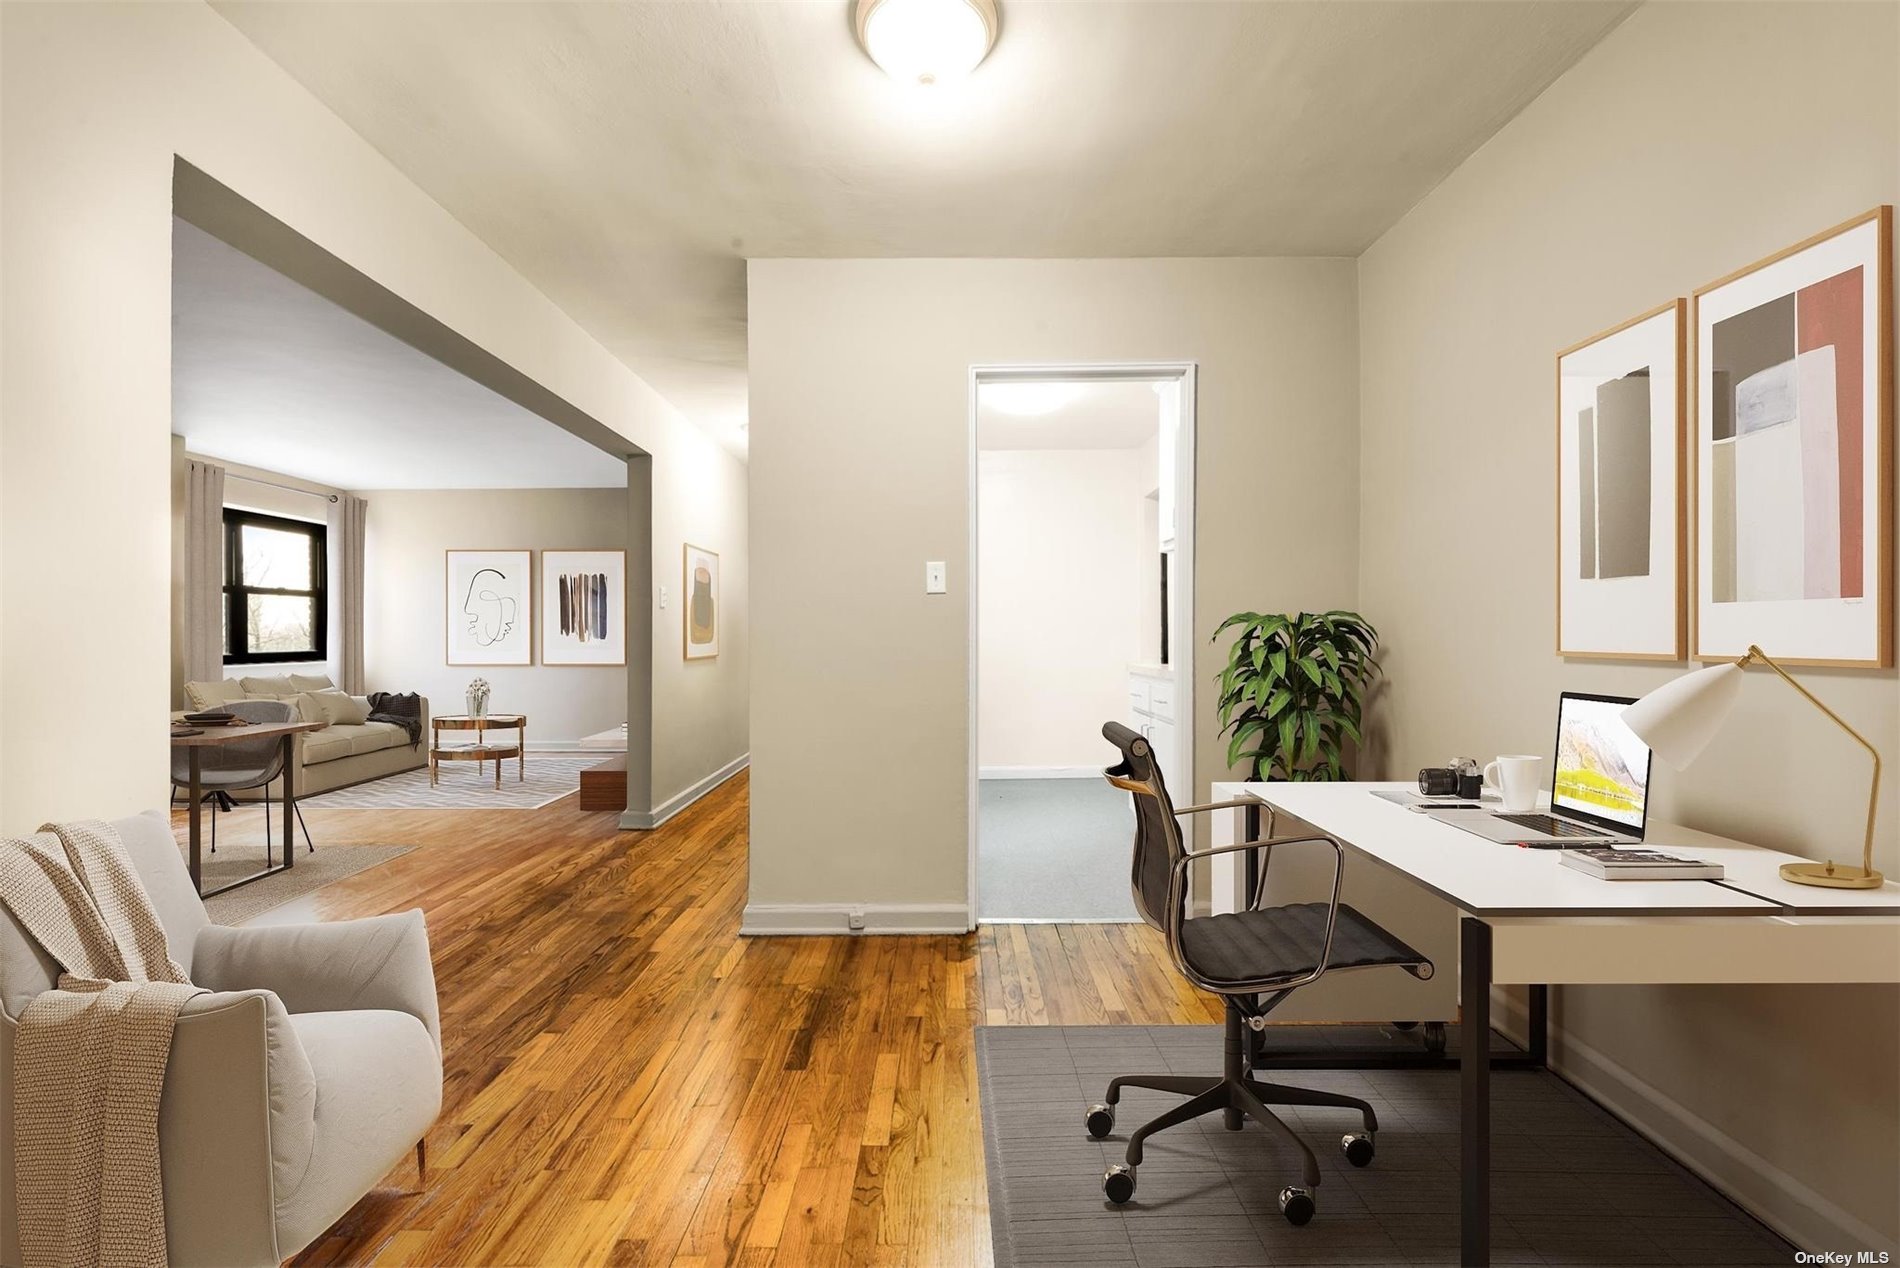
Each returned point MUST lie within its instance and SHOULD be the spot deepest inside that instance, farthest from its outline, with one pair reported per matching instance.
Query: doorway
(1081, 523)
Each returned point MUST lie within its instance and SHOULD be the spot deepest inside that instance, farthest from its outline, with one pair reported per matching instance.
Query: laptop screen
(1602, 769)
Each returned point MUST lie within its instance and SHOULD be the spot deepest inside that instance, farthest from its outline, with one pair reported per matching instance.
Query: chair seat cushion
(1285, 942)
(379, 1086)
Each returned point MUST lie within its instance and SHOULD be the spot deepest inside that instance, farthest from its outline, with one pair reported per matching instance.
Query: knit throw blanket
(89, 1057)
(402, 708)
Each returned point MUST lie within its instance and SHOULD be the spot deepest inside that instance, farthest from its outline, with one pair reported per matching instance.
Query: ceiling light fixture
(927, 41)
(1028, 399)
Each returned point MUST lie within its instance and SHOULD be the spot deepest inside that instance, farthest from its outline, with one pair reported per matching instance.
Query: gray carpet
(1053, 849)
(1570, 1185)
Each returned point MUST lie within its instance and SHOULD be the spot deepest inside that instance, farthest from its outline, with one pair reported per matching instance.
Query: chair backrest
(26, 971)
(261, 758)
(1158, 843)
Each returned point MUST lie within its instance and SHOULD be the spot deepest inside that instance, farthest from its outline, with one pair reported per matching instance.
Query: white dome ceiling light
(927, 41)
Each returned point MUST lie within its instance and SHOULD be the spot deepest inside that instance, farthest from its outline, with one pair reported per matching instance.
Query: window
(276, 606)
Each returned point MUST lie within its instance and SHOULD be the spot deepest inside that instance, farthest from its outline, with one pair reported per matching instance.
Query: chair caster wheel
(1297, 1205)
(1357, 1146)
(1118, 1183)
(1100, 1120)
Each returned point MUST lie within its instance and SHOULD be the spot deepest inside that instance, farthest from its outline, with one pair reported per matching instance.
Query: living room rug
(460, 786)
(329, 864)
(1569, 1183)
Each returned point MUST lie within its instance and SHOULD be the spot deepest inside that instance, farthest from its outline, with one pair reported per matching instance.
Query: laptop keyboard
(1550, 825)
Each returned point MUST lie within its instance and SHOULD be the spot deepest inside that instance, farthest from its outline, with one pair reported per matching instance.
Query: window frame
(236, 608)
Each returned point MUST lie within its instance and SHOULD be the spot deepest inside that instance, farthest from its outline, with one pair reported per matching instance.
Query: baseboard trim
(1039, 772)
(1056, 920)
(642, 820)
(1798, 1212)
(763, 920)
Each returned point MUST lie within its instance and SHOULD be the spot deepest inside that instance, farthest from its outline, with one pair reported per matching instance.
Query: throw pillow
(209, 695)
(311, 682)
(308, 708)
(279, 686)
(341, 709)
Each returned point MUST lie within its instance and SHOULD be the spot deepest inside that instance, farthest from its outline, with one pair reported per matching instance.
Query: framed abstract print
(489, 617)
(699, 591)
(1794, 452)
(583, 607)
(1621, 552)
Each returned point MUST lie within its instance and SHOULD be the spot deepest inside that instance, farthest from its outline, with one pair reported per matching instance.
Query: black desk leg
(195, 786)
(290, 802)
(1537, 1042)
(1474, 1069)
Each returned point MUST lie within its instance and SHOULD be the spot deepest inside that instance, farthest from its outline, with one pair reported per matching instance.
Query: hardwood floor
(630, 1082)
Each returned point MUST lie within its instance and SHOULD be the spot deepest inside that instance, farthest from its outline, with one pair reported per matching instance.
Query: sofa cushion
(312, 682)
(304, 706)
(325, 746)
(272, 687)
(209, 695)
(341, 709)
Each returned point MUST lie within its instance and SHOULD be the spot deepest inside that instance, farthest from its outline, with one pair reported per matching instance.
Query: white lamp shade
(1679, 718)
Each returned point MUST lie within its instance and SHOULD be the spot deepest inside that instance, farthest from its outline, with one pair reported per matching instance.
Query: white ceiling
(1115, 415)
(269, 374)
(628, 158)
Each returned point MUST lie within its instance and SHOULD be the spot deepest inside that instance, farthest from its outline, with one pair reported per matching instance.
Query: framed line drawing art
(1794, 452)
(488, 614)
(1621, 543)
(699, 590)
(583, 607)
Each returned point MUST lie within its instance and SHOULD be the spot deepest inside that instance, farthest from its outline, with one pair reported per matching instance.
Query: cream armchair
(309, 1071)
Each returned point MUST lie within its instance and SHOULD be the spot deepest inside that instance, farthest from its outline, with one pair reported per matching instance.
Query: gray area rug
(329, 864)
(462, 786)
(1053, 849)
(1570, 1184)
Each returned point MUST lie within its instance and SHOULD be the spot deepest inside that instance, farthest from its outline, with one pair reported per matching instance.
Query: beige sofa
(307, 1074)
(341, 753)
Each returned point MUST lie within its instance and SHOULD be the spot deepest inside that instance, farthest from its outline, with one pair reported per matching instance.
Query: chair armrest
(1177, 913)
(1236, 803)
(382, 962)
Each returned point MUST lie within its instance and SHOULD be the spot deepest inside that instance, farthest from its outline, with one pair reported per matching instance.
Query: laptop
(1600, 791)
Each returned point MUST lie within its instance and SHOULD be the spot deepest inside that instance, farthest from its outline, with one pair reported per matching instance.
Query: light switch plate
(935, 581)
(662, 598)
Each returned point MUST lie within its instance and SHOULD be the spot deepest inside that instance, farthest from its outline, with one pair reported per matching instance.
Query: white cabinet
(1151, 712)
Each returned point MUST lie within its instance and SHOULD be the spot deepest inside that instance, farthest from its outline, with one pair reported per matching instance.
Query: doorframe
(1183, 643)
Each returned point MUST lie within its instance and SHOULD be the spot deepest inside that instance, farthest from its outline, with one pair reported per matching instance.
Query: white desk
(1525, 918)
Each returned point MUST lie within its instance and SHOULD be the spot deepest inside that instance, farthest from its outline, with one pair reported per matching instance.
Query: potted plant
(1291, 692)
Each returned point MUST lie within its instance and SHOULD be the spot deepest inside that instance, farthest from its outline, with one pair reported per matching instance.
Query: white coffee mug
(1515, 778)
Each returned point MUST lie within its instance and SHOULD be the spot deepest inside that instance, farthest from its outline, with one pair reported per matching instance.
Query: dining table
(195, 739)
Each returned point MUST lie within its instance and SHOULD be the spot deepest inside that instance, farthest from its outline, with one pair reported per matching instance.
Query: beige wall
(403, 631)
(1058, 603)
(1694, 140)
(95, 101)
(860, 473)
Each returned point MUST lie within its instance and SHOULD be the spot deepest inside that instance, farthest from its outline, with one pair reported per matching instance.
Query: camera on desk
(1460, 777)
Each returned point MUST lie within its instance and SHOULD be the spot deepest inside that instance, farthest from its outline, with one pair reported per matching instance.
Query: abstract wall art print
(488, 614)
(1621, 564)
(699, 594)
(1794, 452)
(583, 607)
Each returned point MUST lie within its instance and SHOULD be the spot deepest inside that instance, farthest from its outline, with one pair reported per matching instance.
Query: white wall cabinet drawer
(1161, 699)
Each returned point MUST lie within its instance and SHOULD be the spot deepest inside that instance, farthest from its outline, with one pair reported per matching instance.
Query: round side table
(482, 749)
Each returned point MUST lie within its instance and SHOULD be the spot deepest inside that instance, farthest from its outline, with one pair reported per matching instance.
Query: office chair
(1254, 959)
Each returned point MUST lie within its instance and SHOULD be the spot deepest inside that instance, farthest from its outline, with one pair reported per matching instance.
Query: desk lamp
(1679, 718)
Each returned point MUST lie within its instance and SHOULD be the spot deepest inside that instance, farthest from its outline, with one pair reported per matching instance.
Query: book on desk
(1609, 864)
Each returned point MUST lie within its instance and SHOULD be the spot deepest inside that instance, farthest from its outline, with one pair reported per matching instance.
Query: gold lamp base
(1830, 876)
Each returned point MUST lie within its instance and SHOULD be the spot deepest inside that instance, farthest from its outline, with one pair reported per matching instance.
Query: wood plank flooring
(629, 1082)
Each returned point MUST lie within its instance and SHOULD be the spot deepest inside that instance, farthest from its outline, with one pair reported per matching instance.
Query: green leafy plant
(1291, 693)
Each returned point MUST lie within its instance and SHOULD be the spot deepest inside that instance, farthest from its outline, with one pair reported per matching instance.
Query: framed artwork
(1794, 452)
(700, 589)
(583, 607)
(1621, 557)
(488, 614)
